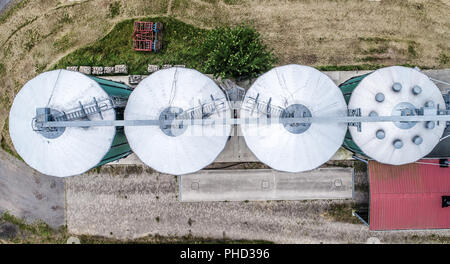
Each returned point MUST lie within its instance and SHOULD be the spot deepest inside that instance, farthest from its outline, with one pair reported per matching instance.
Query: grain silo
(62, 95)
(175, 96)
(293, 91)
(394, 91)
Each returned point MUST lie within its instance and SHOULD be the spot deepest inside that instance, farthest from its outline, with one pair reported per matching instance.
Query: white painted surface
(275, 146)
(363, 97)
(198, 146)
(77, 149)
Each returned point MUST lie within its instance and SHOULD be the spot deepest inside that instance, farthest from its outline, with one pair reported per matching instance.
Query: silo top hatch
(395, 91)
(172, 95)
(65, 151)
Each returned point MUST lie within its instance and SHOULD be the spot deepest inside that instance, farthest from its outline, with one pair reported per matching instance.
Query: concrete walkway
(266, 184)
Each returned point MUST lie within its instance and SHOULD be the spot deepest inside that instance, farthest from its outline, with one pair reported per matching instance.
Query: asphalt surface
(30, 195)
(4, 4)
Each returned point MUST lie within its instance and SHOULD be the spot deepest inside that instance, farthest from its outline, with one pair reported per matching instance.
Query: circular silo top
(403, 90)
(170, 95)
(293, 91)
(64, 151)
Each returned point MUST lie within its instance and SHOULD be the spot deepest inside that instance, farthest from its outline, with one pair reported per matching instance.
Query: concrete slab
(339, 77)
(236, 149)
(266, 184)
(132, 159)
(30, 195)
(441, 75)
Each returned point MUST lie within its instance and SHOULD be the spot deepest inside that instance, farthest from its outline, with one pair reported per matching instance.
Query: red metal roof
(408, 196)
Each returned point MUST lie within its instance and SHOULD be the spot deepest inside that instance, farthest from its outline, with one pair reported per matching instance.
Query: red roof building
(412, 196)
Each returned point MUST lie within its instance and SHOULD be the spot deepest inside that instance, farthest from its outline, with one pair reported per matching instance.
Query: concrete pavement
(266, 184)
(28, 194)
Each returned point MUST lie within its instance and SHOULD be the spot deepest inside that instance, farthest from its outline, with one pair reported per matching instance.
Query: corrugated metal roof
(408, 196)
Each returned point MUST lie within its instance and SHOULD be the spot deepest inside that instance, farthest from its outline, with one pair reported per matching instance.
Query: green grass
(444, 59)
(114, 9)
(362, 67)
(3, 144)
(181, 45)
(38, 232)
(342, 212)
(158, 239)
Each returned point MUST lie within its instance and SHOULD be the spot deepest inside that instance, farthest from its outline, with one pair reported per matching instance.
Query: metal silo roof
(388, 92)
(293, 91)
(68, 151)
(177, 93)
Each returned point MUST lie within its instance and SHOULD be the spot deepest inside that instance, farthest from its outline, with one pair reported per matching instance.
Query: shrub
(114, 9)
(236, 52)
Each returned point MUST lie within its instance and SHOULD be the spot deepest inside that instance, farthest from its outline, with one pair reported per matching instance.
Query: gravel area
(144, 202)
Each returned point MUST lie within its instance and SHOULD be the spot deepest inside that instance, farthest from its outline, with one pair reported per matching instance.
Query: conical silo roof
(66, 151)
(293, 91)
(177, 93)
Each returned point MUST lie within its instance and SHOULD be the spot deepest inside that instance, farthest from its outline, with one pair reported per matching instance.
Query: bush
(114, 9)
(236, 52)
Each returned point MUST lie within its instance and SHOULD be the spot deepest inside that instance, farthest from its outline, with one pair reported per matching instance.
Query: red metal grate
(147, 36)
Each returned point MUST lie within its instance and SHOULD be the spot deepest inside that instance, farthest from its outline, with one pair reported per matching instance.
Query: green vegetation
(412, 49)
(65, 19)
(158, 239)
(444, 59)
(3, 144)
(63, 43)
(359, 166)
(180, 46)
(362, 67)
(237, 52)
(32, 38)
(114, 9)
(233, 2)
(225, 52)
(26, 23)
(39, 232)
(342, 212)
